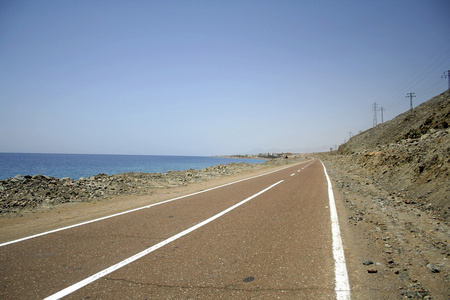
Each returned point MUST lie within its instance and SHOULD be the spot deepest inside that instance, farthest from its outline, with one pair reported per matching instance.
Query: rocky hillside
(394, 183)
(432, 115)
(410, 155)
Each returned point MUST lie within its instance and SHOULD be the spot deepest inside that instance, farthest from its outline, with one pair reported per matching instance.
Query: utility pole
(447, 76)
(411, 95)
(375, 109)
(382, 109)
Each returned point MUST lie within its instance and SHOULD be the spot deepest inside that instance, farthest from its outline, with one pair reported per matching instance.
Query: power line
(424, 81)
(435, 87)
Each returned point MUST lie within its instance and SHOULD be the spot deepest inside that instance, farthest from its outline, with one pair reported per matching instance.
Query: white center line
(135, 257)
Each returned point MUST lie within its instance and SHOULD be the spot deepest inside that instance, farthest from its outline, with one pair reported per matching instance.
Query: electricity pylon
(447, 76)
(411, 95)
(375, 109)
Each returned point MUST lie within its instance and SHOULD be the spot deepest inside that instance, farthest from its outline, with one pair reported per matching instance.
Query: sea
(76, 166)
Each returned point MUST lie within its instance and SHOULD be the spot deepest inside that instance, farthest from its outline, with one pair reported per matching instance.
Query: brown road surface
(278, 244)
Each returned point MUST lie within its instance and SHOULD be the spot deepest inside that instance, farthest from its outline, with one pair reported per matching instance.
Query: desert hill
(393, 182)
(430, 116)
(410, 154)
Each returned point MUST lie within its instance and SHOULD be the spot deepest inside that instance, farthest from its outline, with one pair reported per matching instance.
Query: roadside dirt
(405, 247)
(392, 182)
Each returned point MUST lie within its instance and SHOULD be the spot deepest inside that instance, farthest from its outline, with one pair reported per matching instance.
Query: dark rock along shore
(28, 192)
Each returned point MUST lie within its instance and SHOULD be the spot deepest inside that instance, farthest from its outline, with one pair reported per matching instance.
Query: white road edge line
(342, 286)
(135, 257)
(143, 207)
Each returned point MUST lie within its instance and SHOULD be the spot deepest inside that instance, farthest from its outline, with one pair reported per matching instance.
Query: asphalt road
(263, 238)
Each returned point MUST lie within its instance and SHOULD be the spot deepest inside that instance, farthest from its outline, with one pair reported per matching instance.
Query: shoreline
(25, 193)
(76, 166)
(34, 220)
(238, 157)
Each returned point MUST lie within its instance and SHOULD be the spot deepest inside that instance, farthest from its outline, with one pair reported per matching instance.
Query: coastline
(239, 157)
(23, 194)
(76, 166)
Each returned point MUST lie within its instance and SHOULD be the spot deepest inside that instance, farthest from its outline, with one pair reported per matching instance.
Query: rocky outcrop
(415, 169)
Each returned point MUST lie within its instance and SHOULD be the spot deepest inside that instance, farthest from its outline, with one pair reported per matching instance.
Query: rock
(18, 178)
(367, 262)
(433, 268)
(248, 279)
(409, 294)
(372, 270)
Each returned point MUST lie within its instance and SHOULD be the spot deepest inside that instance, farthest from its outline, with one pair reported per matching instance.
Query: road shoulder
(390, 247)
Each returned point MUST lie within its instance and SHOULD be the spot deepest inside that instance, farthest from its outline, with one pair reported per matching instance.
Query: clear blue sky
(211, 77)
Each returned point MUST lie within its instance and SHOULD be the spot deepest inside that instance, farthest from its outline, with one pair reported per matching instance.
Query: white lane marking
(342, 286)
(135, 257)
(139, 208)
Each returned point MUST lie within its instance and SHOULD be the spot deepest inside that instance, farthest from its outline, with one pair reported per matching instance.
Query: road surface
(266, 237)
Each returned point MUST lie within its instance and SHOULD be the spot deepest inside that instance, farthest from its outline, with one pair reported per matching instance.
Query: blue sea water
(84, 165)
